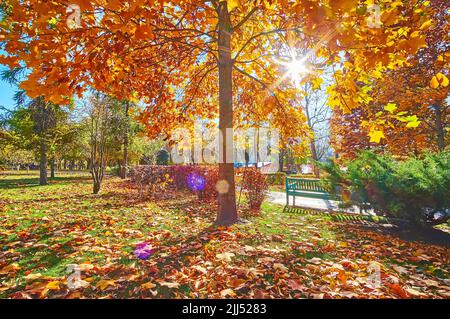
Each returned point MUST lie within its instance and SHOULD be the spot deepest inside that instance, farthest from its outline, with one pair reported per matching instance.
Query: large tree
(180, 57)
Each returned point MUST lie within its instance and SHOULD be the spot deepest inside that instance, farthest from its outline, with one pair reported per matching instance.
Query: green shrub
(162, 158)
(417, 189)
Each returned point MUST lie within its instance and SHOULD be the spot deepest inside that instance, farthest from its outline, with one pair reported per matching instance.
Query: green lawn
(276, 254)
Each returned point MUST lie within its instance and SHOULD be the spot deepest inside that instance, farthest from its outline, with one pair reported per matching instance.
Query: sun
(296, 68)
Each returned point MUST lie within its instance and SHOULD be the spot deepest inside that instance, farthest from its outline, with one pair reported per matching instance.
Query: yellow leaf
(426, 24)
(10, 269)
(413, 124)
(317, 83)
(104, 284)
(148, 285)
(390, 107)
(53, 21)
(232, 4)
(434, 83)
(33, 276)
(53, 285)
(443, 80)
(376, 136)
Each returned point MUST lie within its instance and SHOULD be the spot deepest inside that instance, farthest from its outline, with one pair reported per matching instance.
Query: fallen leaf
(225, 256)
(10, 269)
(227, 293)
(170, 284)
(104, 284)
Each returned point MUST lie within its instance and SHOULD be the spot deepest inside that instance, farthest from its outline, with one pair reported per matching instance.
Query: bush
(150, 178)
(278, 178)
(417, 189)
(255, 186)
(180, 175)
(210, 177)
(200, 180)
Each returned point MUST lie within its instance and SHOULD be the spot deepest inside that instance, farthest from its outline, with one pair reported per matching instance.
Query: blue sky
(6, 93)
(6, 90)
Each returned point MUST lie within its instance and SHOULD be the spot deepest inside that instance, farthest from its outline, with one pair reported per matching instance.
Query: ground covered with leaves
(165, 247)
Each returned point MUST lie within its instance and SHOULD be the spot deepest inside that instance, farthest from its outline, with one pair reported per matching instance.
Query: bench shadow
(429, 235)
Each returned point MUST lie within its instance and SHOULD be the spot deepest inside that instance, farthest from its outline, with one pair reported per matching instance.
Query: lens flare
(196, 182)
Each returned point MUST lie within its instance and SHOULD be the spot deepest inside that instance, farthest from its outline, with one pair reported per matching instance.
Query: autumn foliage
(405, 109)
(154, 179)
(255, 186)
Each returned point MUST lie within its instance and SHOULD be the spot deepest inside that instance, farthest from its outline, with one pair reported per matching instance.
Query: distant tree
(15, 157)
(318, 115)
(145, 150)
(35, 124)
(104, 123)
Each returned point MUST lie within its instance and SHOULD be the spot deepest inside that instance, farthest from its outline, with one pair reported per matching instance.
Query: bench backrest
(300, 184)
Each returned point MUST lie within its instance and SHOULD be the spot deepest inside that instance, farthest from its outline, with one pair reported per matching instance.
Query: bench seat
(310, 188)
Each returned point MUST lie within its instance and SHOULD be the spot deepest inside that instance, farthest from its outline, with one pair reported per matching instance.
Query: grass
(278, 253)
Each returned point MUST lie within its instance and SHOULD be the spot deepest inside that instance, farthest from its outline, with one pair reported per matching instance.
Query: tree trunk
(281, 160)
(52, 167)
(43, 164)
(120, 169)
(314, 157)
(439, 128)
(97, 187)
(124, 170)
(97, 172)
(227, 214)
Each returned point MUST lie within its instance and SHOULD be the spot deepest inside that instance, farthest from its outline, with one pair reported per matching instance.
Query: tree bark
(97, 187)
(43, 163)
(281, 160)
(227, 214)
(314, 157)
(52, 167)
(124, 171)
(439, 128)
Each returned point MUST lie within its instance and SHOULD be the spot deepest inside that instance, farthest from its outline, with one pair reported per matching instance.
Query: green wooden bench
(305, 188)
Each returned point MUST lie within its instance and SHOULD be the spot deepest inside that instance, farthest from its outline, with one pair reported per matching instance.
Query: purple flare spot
(196, 182)
(144, 251)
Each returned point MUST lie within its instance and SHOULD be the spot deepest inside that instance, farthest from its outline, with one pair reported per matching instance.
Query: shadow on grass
(394, 227)
(34, 182)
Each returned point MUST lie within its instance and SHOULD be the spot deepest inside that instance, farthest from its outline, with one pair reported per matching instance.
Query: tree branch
(245, 19)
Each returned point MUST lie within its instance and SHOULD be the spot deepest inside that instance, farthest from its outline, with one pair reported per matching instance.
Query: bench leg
(287, 200)
(294, 199)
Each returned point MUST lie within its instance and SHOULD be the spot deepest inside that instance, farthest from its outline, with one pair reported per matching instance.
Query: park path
(312, 203)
